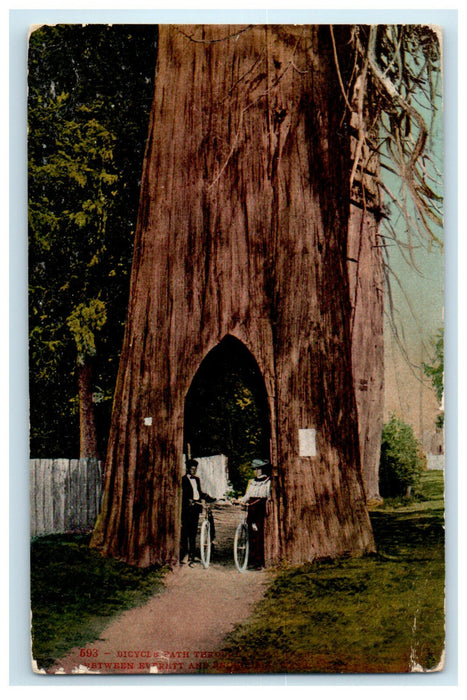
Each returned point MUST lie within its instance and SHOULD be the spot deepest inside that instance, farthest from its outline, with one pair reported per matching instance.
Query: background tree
(90, 91)
(79, 175)
(84, 321)
(396, 196)
(435, 372)
(401, 459)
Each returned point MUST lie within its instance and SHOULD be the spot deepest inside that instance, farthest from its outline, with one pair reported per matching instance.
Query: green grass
(427, 495)
(379, 613)
(74, 591)
(382, 613)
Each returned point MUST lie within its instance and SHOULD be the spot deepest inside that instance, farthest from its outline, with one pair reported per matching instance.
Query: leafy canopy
(435, 372)
(89, 96)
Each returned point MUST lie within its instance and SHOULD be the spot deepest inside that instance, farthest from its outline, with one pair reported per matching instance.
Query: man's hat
(191, 463)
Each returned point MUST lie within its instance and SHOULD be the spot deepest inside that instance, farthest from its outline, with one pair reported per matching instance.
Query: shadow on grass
(409, 535)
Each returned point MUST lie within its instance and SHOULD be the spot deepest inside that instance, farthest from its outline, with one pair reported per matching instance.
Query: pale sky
(420, 313)
(419, 301)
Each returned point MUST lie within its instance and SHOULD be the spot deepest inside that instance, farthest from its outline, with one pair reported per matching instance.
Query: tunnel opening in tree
(227, 412)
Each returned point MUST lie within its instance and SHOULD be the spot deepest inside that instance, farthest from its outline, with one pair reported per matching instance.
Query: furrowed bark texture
(242, 230)
(367, 293)
(366, 277)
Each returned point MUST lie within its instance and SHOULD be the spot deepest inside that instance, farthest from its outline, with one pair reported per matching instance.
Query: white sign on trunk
(307, 442)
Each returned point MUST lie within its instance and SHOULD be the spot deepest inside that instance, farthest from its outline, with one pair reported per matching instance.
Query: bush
(401, 461)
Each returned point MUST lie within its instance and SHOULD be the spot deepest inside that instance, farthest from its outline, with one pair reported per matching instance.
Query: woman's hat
(259, 463)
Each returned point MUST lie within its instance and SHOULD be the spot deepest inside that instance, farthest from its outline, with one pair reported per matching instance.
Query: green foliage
(74, 591)
(83, 322)
(373, 614)
(435, 372)
(89, 96)
(401, 461)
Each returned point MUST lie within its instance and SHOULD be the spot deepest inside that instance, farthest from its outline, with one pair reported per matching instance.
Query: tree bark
(367, 285)
(87, 423)
(366, 278)
(242, 231)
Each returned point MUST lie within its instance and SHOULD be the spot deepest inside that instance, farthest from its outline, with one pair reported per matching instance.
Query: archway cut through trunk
(227, 411)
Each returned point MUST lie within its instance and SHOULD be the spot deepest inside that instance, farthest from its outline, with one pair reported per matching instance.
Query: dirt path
(180, 630)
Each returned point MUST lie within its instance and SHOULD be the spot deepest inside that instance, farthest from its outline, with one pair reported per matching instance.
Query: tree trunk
(366, 276)
(242, 231)
(87, 423)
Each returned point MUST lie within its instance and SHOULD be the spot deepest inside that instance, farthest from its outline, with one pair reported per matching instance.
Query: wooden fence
(65, 495)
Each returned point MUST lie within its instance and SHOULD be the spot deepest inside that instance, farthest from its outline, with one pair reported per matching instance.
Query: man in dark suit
(192, 495)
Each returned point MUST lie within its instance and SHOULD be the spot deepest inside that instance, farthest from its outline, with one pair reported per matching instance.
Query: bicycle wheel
(241, 547)
(205, 543)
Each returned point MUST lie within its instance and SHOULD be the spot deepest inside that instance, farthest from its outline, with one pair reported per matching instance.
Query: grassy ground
(380, 613)
(375, 614)
(74, 591)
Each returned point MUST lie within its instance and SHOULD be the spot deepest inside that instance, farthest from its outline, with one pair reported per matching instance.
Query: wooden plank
(98, 487)
(64, 495)
(32, 497)
(83, 494)
(47, 490)
(73, 486)
(91, 468)
(67, 504)
(59, 474)
(93, 489)
(39, 497)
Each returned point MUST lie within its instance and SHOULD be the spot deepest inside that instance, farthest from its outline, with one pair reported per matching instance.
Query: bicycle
(205, 540)
(241, 543)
